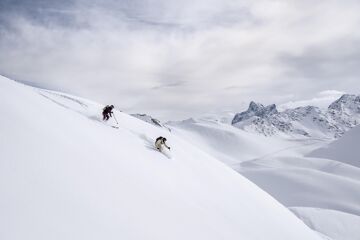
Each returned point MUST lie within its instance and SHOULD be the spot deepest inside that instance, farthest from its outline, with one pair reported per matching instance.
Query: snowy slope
(301, 182)
(66, 175)
(345, 150)
(335, 224)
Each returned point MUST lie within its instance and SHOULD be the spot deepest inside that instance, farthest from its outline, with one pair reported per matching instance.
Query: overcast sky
(175, 59)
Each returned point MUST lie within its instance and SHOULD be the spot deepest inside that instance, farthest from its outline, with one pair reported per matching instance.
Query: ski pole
(115, 119)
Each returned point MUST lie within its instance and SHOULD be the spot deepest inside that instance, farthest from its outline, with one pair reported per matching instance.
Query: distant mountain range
(308, 121)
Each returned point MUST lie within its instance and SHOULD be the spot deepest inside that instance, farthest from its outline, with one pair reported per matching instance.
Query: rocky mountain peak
(255, 109)
(346, 101)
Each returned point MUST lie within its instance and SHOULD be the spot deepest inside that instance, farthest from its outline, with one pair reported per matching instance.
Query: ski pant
(106, 117)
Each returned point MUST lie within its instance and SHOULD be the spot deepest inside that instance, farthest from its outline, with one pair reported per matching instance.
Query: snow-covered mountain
(346, 111)
(65, 174)
(307, 121)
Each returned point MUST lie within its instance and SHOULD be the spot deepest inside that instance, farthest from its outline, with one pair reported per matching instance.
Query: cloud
(174, 59)
(322, 100)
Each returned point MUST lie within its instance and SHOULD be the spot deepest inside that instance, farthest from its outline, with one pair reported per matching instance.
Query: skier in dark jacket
(107, 112)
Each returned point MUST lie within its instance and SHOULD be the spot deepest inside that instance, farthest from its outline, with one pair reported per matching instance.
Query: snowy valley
(65, 174)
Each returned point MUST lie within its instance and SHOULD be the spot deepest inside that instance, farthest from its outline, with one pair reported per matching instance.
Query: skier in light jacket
(160, 143)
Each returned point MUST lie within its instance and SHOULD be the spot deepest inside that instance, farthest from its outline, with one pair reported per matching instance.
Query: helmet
(164, 139)
(112, 106)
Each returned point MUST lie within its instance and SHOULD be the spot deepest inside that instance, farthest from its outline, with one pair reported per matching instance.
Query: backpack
(106, 109)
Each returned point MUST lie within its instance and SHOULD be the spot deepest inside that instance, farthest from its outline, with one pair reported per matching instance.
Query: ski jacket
(107, 110)
(159, 142)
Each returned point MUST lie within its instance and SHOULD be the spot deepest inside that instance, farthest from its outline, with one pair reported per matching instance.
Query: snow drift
(345, 150)
(64, 174)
